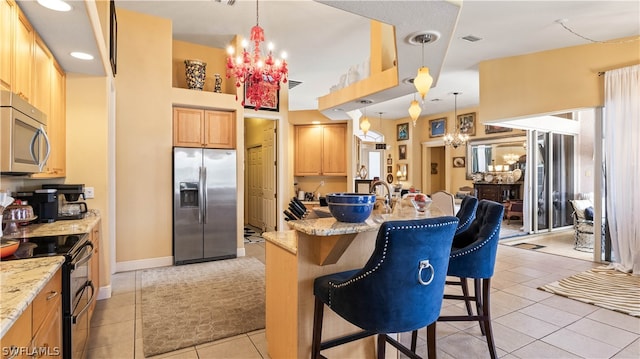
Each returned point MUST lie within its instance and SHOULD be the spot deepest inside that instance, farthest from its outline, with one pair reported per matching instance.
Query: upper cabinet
(23, 60)
(7, 35)
(203, 128)
(320, 150)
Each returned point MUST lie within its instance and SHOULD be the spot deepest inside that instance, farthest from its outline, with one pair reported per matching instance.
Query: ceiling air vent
(471, 38)
(293, 83)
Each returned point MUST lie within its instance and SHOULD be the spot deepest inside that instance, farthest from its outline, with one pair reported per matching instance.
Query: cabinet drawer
(47, 300)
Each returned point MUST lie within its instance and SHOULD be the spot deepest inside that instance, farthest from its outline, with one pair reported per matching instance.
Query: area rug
(603, 287)
(531, 246)
(251, 235)
(198, 303)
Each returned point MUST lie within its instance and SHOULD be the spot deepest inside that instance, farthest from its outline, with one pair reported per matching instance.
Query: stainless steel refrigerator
(204, 205)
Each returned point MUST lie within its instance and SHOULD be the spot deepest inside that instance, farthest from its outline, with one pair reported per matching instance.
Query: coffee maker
(68, 196)
(44, 203)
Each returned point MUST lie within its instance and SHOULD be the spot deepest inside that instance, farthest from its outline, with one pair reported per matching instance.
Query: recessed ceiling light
(82, 55)
(57, 5)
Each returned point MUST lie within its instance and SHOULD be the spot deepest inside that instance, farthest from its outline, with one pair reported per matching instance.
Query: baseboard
(104, 292)
(241, 252)
(143, 264)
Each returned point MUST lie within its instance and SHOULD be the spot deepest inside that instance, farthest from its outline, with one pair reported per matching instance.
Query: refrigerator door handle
(200, 195)
(204, 194)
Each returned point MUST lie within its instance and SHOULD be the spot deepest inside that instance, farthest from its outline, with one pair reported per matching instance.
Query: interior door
(269, 182)
(254, 190)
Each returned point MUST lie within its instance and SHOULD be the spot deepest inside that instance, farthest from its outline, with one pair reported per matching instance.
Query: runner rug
(197, 303)
(606, 288)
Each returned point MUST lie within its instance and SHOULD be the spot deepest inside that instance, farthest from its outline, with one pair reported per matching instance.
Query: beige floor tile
(507, 339)
(619, 338)
(504, 303)
(463, 345)
(111, 334)
(113, 315)
(123, 349)
(617, 320)
(541, 350)
(238, 348)
(527, 292)
(528, 325)
(580, 345)
(632, 351)
(569, 305)
(550, 315)
(259, 341)
(116, 301)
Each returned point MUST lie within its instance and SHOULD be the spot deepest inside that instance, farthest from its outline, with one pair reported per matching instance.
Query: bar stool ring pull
(425, 264)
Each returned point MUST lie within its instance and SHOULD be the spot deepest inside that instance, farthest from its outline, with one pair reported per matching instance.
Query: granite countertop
(75, 226)
(322, 225)
(21, 281)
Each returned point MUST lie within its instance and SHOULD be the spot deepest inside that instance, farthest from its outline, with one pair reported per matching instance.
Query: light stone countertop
(287, 240)
(20, 282)
(74, 226)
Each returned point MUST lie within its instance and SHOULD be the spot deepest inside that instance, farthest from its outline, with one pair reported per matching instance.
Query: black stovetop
(49, 246)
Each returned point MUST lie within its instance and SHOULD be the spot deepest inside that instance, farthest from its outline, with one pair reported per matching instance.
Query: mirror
(495, 154)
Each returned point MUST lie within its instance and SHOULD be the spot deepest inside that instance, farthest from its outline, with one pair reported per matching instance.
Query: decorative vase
(218, 84)
(363, 172)
(195, 70)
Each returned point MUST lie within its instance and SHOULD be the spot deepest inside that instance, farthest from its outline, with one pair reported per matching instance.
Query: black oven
(77, 290)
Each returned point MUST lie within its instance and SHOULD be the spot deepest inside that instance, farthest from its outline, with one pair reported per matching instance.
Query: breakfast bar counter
(313, 248)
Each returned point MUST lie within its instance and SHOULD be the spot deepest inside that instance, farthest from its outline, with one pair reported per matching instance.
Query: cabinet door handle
(52, 295)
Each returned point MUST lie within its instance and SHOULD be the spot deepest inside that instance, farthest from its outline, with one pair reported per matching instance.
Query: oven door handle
(74, 318)
(76, 262)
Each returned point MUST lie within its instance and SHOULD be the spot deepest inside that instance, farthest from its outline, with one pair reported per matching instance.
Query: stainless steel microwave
(24, 145)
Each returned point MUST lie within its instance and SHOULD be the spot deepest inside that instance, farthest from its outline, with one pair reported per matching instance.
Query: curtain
(622, 158)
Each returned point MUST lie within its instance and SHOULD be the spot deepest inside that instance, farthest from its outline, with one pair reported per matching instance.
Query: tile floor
(527, 323)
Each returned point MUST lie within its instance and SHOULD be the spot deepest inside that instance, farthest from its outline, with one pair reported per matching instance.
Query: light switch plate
(88, 192)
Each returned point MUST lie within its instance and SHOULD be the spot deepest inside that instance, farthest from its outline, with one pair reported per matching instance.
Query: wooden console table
(497, 192)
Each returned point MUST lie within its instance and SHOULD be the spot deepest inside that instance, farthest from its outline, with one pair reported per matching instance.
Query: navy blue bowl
(350, 207)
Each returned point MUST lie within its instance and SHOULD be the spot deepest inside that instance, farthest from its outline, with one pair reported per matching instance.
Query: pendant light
(423, 80)
(414, 110)
(455, 139)
(365, 125)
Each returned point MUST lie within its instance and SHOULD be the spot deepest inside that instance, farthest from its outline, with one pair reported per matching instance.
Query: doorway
(261, 173)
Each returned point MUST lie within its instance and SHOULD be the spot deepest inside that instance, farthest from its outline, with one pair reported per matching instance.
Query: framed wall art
(458, 162)
(271, 104)
(403, 131)
(402, 152)
(467, 123)
(389, 169)
(389, 160)
(496, 129)
(113, 37)
(437, 127)
(402, 172)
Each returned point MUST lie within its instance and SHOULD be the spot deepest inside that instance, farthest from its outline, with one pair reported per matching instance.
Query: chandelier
(455, 139)
(260, 76)
(511, 158)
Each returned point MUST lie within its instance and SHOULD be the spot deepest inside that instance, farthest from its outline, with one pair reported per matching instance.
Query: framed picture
(437, 127)
(271, 104)
(402, 172)
(389, 160)
(458, 162)
(467, 123)
(402, 152)
(113, 37)
(389, 178)
(434, 168)
(389, 169)
(403, 131)
(496, 129)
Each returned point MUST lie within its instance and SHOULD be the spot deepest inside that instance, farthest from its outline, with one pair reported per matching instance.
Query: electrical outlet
(88, 192)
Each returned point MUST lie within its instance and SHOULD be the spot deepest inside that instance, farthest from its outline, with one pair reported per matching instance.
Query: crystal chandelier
(261, 76)
(455, 139)
(511, 158)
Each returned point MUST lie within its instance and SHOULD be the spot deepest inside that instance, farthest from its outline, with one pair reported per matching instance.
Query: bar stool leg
(382, 346)
(431, 341)
(486, 313)
(465, 292)
(318, 313)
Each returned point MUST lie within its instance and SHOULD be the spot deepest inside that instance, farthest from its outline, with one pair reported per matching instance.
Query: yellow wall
(550, 81)
(87, 162)
(213, 57)
(143, 135)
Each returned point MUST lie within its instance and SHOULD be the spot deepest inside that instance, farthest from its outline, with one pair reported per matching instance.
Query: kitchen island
(316, 247)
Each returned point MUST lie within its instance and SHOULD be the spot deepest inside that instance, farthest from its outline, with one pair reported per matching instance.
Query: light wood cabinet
(203, 128)
(40, 325)
(56, 126)
(23, 60)
(94, 266)
(320, 150)
(7, 35)
(41, 85)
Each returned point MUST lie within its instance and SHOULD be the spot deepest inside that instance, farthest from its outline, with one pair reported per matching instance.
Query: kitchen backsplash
(331, 184)
(14, 184)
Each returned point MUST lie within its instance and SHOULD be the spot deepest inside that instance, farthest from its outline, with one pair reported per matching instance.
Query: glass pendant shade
(365, 125)
(414, 111)
(423, 81)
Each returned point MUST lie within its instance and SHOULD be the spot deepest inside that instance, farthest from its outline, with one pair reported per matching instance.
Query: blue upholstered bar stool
(473, 255)
(467, 213)
(400, 289)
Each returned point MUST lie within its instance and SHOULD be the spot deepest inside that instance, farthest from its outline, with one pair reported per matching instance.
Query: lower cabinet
(38, 331)
(497, 192)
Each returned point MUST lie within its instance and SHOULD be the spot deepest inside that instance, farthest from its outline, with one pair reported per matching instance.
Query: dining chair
(473, 255)
(399, 289)
(444, 201)
(467, 213)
